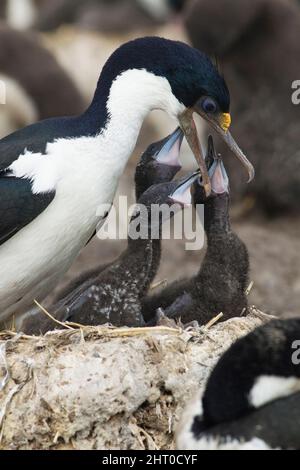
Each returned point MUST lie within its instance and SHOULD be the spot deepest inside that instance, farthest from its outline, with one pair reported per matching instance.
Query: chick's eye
(209, 105)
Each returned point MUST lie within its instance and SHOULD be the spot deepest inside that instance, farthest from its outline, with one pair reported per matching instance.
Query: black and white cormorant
(222, 280)
(252, 397)
(58, 177)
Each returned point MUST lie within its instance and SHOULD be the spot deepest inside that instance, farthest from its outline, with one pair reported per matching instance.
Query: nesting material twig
(75, 325)
(51, 317)
(14, 334)
(119, 332)
(109, 332)
(204, 328)
(3, 363)
(243, 312)
(213, 321)
(261, 315)
(158, 284)
(249, 288)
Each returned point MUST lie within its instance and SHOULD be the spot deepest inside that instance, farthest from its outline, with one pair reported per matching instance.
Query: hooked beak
(182, 194)
(221, 124)
(189, 128)
(170, 151)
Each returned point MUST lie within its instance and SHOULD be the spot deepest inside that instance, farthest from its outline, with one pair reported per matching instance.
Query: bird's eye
(209, 105)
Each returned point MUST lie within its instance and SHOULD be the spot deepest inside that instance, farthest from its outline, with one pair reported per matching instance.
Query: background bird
(36, 86)
(252, 399)
(101, 15)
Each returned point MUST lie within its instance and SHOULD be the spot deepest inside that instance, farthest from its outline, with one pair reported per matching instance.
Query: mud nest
(106, 388)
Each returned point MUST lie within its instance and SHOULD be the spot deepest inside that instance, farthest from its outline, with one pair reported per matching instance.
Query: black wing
(35, 138)
(19, 206)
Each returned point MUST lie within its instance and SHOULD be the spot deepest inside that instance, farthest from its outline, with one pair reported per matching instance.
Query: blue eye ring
(209, 105)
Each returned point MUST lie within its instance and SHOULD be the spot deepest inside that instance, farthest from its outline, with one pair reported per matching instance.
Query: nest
(106, 388)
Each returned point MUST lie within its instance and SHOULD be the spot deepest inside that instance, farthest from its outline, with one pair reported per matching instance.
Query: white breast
(47, 246)
(271, 387)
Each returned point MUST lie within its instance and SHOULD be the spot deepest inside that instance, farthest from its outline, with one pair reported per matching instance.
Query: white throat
(133, 95)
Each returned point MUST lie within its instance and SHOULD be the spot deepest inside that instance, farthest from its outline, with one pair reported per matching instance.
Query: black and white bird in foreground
(59, 176)
(252, 397)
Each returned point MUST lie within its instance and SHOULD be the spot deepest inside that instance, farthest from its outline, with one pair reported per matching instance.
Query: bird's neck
(216, 216)
(147, 247)
(121, 104)
(139, 257)
(113, 121)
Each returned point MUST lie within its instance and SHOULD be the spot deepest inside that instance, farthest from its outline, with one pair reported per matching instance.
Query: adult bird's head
(176, 78)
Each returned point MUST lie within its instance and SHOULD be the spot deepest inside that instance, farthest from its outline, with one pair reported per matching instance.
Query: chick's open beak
(182, 194)
(170, 150)
(219, 177)
(221, 124)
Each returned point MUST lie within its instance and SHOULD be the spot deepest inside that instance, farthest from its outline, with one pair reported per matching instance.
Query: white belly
(33, 261)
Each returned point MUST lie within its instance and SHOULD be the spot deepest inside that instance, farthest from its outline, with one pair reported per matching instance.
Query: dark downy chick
(222, 280)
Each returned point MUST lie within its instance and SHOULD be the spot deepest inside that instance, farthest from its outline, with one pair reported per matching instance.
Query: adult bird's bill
(208, 109)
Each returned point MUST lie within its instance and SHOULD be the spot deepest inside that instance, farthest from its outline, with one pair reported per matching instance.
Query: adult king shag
(58, 176)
